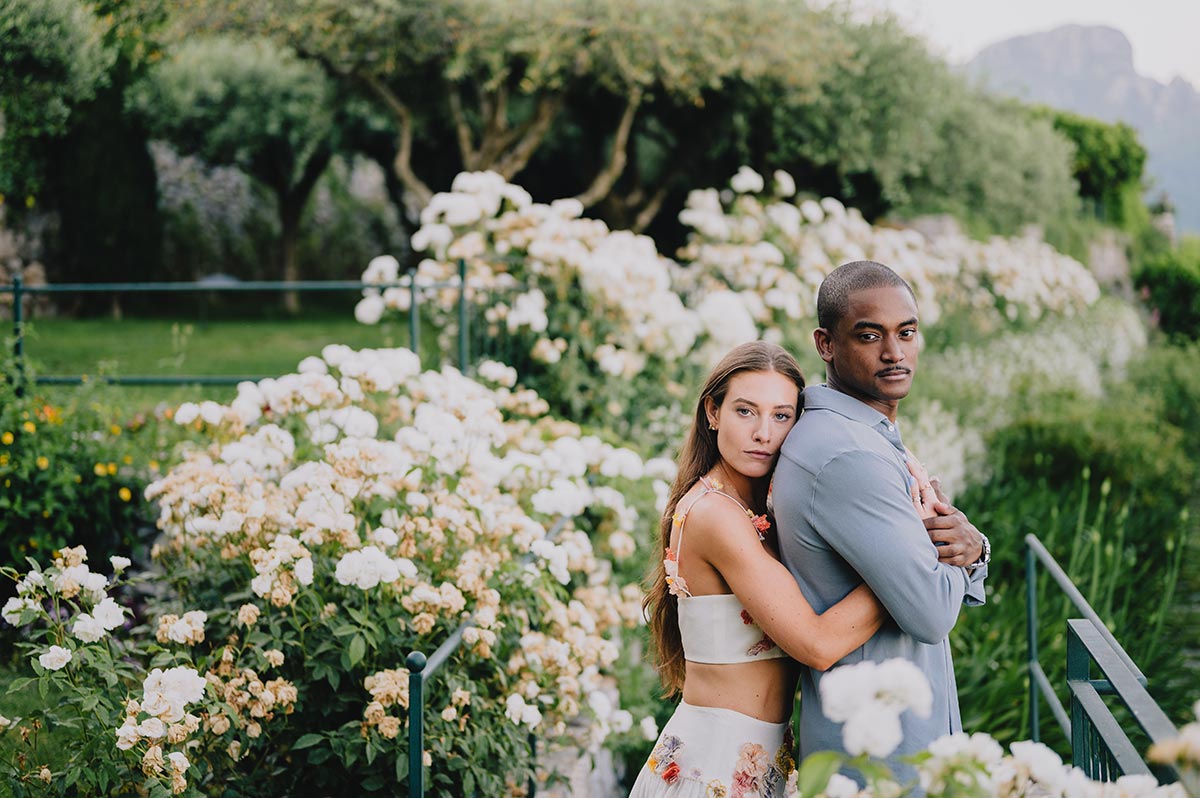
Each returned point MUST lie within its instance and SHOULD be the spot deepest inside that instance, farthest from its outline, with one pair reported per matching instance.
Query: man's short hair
(833, 298)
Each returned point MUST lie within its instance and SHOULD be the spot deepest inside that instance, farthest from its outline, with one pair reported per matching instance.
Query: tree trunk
(292, 202)
(289, 230)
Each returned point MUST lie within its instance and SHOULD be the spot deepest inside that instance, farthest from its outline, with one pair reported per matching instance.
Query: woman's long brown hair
(697, 457)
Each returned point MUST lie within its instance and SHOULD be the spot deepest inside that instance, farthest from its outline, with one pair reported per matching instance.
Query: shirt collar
(822, 397)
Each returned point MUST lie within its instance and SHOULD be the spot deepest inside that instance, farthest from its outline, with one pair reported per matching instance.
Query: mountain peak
(1088, 69)
(1070, 50)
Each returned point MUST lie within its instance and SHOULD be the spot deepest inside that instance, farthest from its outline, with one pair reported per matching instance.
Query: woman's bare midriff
(764, 690)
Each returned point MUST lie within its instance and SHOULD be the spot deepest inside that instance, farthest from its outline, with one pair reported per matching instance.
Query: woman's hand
(923, 494)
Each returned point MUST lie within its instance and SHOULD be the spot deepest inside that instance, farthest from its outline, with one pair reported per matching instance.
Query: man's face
(872, 354)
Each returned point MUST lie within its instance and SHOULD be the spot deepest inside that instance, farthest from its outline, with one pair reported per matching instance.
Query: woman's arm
(720, 533)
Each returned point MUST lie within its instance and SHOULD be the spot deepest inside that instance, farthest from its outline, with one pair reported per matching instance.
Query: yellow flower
(45, 513)
(3, 459)
(99, 470)
(6, 438)
(29, 427)
(153, 465)
(114, 429)
(78, 479)
(112, 469)
(127, 459)
(125, 494)
(43, 462)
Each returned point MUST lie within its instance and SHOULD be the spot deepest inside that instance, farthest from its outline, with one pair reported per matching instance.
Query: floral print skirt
(710, 752)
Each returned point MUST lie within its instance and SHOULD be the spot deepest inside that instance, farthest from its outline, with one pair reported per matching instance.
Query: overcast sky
(1163, 32)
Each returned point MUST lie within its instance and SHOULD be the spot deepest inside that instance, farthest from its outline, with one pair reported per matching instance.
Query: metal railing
(415, 288)
(1098, 743)
(420, 670)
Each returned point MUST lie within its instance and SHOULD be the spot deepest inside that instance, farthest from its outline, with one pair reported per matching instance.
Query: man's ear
(824, 343)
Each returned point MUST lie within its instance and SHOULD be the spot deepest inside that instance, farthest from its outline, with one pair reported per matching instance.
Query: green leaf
(19, 684)
(358, 650)
(816, 771)
(308, 741)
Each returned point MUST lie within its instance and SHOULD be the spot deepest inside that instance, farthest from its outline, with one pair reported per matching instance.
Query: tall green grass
(1128, 574)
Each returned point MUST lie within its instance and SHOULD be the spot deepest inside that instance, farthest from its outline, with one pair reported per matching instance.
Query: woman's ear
(711, 410)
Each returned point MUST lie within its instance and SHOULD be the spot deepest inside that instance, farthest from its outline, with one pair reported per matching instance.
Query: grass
(166, 347)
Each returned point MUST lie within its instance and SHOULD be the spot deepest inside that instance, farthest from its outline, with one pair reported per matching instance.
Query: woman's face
(758, 411)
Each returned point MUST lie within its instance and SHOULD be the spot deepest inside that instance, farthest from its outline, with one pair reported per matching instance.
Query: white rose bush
(324, 525)
(868, 699)
(607, 328)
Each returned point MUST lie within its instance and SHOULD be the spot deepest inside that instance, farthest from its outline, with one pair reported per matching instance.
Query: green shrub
(73, 470)
(1170, 283)
(1170, 373)
(1124, 438)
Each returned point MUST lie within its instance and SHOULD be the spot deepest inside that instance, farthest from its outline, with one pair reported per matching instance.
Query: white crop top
(715, 629)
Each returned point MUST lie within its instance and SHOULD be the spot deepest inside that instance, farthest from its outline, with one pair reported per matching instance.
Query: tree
(53, 59)
(497, 77)
(252, 104)
(1108, 160)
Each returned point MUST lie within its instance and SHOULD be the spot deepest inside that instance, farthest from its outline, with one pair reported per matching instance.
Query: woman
(728, 620)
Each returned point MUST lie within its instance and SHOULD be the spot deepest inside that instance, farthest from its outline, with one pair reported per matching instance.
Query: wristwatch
(984, 558)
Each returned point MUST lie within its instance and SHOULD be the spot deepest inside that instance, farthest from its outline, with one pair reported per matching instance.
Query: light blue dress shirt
(845, 516)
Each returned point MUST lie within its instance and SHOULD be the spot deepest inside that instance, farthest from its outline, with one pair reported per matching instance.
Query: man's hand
(957, 540)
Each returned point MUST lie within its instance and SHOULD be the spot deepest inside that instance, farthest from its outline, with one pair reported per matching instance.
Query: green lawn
(165, 347)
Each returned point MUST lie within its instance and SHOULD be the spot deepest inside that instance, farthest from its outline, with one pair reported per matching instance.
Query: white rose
(119, 564)
(87, 629)
(187, 413)
(152, 728)
(109, 614)
(369, 309)
(303, 570)
(55, 658)
(127, 736)
(649, 728)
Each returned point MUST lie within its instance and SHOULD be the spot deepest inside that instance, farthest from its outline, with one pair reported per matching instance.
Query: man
(844, 509)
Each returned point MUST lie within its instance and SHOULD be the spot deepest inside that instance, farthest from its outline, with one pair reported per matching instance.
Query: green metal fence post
(414, 320)
(416, 724)
(18, 334)
(1031, 634)
(1079, 668)
(462, 315)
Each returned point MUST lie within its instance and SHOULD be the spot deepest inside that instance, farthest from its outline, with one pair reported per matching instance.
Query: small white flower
(649, 728)
(119, 564)
(785, 186)
(179, 762)
(746, 181)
